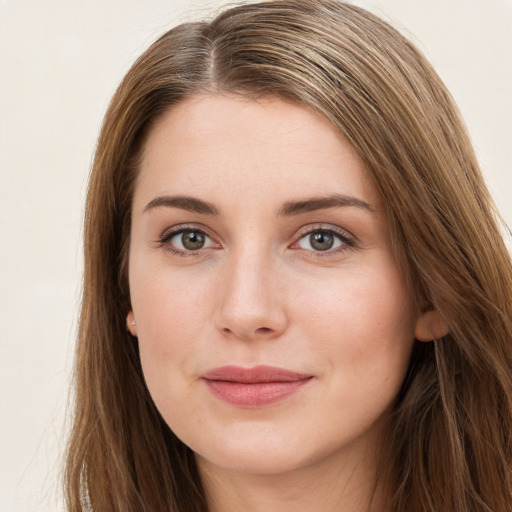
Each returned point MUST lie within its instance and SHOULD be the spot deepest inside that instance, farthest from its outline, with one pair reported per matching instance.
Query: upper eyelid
(310, 228)
(302, 230)
(169, 232)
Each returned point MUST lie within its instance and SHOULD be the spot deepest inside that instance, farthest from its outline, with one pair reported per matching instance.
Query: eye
(190, 240)
(324, 240)
(186, 240)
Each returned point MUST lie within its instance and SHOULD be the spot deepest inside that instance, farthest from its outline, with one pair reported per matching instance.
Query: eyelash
(168, 235)
(347, 241)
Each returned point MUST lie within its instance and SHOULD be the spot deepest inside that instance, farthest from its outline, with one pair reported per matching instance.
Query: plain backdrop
(60, 61)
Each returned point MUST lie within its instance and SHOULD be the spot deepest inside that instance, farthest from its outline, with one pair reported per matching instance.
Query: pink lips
(253, 387)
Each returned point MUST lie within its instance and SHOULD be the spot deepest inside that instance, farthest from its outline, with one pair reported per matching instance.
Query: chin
(252, 454)
(266, 455)
(252, 462)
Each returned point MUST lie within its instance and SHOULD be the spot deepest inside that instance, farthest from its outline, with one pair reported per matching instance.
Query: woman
(296, 295)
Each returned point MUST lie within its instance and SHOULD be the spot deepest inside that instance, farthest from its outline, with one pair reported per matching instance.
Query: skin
(258, 292)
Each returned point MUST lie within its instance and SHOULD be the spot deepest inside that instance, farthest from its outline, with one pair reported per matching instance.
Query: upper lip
(257, 374)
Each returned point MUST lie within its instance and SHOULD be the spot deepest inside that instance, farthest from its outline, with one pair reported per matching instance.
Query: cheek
(363, 321)
(170, 314)
(364, 331)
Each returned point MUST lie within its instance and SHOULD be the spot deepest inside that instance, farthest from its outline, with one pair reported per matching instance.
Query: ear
(131, 325)
(430, 326)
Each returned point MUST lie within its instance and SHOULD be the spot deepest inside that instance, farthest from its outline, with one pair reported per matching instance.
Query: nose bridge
(251, 305)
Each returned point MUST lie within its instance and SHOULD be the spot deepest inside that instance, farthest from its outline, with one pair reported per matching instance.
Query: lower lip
(255, 394)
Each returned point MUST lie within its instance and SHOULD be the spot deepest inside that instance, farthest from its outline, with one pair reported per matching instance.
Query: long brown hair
(450, 446)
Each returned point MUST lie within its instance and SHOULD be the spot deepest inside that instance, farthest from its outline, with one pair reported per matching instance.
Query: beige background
(60, 61)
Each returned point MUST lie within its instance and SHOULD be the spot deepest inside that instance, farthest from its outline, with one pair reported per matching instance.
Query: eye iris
(321, 240)
(192, 240)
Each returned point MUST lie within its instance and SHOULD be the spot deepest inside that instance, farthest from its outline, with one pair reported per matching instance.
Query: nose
(251, 304)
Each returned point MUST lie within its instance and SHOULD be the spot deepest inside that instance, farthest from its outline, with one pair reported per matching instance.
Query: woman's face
(274, 325)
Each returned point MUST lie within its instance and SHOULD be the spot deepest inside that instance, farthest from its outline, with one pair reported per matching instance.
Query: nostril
(250, 334)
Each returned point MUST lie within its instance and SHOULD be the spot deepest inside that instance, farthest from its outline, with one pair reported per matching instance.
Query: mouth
(254, 387)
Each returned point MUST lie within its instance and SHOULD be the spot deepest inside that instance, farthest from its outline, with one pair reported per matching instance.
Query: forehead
(221, 145)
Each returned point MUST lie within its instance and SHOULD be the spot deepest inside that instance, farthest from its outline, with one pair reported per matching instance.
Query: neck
(326, 486)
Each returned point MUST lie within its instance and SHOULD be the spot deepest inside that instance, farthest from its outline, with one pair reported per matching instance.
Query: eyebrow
(190, 204)
(322, 203)
(289, 209)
